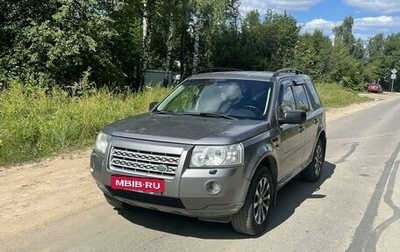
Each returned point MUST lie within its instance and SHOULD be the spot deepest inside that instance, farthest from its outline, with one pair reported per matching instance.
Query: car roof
(247, 75)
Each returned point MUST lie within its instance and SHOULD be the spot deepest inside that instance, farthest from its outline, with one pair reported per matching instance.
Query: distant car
(375, 88)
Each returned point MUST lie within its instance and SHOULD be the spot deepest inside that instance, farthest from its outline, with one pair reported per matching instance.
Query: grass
(35, 122)
(334, 96)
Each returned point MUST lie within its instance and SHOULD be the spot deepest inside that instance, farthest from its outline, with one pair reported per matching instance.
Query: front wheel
(252, 217)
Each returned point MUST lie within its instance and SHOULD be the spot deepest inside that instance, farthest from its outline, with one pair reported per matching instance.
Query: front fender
(260, 150)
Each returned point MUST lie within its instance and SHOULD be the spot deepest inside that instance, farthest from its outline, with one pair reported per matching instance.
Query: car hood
(186, 129)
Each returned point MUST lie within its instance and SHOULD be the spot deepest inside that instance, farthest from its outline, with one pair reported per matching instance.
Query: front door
(292, 135)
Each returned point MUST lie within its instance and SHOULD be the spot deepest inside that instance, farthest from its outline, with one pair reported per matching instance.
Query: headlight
(102, 141)
(204, 156)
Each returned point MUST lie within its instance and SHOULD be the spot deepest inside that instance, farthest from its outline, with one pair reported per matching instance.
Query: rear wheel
(313, 171)
(252, 217)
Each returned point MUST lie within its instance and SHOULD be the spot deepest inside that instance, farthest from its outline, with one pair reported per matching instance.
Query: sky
(370, 16)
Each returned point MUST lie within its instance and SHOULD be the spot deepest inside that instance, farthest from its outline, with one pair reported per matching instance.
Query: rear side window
(316, 102)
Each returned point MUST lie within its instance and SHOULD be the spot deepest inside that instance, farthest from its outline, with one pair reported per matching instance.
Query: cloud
(381, 6)
(363, 28)
(368, 27)
(278, 5)
(376, 23)
(319, 24)
(293, 4)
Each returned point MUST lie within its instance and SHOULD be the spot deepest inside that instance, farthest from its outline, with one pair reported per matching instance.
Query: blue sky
(370, 16)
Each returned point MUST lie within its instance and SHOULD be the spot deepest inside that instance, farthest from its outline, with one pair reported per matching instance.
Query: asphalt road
(354, 207)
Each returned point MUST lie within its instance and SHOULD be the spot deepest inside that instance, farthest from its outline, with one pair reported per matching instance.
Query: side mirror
(152, 105)
(293, 117)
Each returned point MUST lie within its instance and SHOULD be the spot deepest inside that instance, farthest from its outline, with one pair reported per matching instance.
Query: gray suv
(217, 148)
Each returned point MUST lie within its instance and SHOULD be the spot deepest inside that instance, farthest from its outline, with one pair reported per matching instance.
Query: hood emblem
(162, 168)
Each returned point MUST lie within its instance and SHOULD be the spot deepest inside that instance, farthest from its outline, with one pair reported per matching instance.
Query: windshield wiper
(202, 114)
(209, 114)
(165, 112)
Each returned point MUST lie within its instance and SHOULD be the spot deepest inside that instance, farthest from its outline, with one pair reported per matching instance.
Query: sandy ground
(38, 193)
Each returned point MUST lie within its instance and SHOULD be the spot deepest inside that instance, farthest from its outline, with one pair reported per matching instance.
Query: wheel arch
(322, 137)
(270, 162)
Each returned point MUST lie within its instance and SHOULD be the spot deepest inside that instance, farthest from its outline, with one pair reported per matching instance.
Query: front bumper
(186, 193)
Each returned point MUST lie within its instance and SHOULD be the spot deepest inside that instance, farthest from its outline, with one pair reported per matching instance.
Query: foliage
(335, 96)
(57, 40)
(52, 43)
(313, 54)
(39, 121)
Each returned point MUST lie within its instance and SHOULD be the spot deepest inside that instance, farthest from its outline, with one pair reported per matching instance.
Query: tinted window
(314, 95)
(301, 98)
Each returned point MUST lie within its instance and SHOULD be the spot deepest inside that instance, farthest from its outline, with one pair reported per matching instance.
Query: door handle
(301, 129)
(316, 121)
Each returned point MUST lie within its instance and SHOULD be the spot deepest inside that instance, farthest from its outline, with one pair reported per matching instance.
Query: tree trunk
(147, 5)
(169, 47)
(196, 34)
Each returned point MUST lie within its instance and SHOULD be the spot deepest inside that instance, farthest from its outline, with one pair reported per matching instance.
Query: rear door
(305, 101)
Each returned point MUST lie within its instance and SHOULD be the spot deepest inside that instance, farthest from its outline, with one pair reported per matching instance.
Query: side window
(301, 98)
(314, 95)
(287, 101)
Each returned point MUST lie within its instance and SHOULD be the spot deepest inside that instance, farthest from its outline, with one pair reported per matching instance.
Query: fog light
(213, 187)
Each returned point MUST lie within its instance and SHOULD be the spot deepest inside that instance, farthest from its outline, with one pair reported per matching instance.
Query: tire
(313, 171)
(115, 203)
(252, 218)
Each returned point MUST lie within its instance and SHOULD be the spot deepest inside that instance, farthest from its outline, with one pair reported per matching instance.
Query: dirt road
(39, 193)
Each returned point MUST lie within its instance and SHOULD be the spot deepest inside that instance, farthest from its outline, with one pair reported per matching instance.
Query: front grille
(143, 162)
(147, 198)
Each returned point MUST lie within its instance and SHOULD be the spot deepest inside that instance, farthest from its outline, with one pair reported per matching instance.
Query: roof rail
(217, 69)
(286, 70)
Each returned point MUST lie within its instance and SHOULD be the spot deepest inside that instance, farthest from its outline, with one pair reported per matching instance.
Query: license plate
(148, 185)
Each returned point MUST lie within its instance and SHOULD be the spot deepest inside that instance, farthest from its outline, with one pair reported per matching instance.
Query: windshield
(241, 99)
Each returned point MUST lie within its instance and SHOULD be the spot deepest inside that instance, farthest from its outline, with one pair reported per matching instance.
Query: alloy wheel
(262, 200)
(318, 159)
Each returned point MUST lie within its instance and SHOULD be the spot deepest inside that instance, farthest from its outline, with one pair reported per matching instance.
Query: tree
(58, 40)
(347, 67)
(374, 57)
(312, 54)
(281, 33)
(359, 51)
(390, 60)
(127, 45)
(204, 12)
(16, 16)
(375, 46)
(225, 46)
(344, 34)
